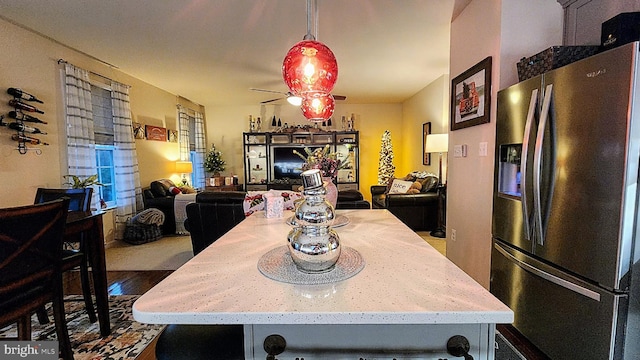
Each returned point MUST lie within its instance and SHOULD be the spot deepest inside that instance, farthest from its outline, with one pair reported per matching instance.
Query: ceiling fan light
(294, 100)
(310, 66)
(317, 106)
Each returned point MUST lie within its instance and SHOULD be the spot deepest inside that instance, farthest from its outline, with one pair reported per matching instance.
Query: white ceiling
(213, 51)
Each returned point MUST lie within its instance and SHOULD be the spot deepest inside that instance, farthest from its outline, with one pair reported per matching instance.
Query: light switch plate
(482, 149)
(459, 151)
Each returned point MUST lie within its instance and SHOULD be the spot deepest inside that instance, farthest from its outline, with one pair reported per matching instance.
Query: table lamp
(437, 143)
(184, 167)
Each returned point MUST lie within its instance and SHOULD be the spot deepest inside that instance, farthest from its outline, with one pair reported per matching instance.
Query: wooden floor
(139, 282)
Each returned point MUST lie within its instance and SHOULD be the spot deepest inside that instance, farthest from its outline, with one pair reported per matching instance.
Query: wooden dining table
(90, 224)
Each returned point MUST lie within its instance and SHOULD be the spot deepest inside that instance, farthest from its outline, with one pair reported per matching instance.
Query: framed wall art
(471, 96)
(426, 130)
(138, 130)
(172, 135)
(156, 133)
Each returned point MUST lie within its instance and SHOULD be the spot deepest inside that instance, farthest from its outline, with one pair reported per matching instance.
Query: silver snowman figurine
(314, 246)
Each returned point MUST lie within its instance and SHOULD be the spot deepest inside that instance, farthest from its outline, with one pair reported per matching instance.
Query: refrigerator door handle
(523, 162)
(549, 277)
(537, 165)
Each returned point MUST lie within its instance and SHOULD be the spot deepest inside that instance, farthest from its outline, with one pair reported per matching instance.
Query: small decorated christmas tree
(386, 169)
(214, 163)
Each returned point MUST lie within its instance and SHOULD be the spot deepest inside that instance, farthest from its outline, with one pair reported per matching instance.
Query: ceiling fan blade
(269, 91)
(339, 97)
(268, 101)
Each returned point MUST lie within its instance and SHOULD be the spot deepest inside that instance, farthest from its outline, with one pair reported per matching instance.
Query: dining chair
(72, 258)
(79, 199)
(30, 267)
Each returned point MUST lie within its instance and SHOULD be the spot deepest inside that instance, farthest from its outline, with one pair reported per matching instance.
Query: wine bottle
(26, 128)
(24, 117)
(23, 95)
(22, 106)
(27, 139)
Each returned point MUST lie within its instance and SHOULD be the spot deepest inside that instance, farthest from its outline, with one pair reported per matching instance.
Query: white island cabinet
(405, 303)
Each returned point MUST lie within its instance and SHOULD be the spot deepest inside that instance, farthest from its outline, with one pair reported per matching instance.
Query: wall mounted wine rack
(19, 118)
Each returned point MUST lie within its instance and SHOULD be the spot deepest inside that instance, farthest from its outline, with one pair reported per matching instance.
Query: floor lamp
(438, 143)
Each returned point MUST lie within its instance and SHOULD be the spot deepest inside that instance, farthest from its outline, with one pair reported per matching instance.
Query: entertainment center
(270, 163)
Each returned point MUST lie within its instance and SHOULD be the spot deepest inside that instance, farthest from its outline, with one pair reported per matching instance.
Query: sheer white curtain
(81, 146)
(128, 190)
(199, 176)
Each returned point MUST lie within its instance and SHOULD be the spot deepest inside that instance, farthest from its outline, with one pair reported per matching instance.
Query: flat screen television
(286, 164)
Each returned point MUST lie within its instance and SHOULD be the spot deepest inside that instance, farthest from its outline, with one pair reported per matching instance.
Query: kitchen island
(405, 302)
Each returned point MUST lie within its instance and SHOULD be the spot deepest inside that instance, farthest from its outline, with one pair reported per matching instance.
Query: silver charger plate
(277, 265)
(340, 220)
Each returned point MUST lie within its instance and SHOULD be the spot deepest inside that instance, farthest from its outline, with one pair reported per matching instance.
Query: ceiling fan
(291, 98)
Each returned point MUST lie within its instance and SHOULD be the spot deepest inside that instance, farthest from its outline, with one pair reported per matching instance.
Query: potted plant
(214, 163)
(77, 183)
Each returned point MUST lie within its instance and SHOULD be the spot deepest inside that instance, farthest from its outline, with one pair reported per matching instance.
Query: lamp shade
(184, 167)
(436, 143)
(317, 106)
(310, 66)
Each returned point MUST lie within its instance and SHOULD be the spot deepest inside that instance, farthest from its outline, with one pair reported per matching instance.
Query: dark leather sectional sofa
(418, 211)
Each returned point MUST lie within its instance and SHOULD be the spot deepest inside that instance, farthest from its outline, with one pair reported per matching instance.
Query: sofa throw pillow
(167, 185)
(174, 190)
(157, 189)
(400, 186)
(188, 190)
(429, 184)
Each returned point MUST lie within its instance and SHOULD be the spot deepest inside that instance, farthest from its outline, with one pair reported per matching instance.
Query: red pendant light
(310, 66)
(317, 106)
(310, 70)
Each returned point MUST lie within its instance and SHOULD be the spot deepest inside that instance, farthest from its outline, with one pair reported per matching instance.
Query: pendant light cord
(312, 7)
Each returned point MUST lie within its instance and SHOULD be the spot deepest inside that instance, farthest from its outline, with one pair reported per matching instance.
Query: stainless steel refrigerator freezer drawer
(564, 317)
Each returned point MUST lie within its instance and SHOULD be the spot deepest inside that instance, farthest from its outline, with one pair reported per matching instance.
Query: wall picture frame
(156, 133)
(138, 131)
(172, 135)
(471, 96)
(426, 130)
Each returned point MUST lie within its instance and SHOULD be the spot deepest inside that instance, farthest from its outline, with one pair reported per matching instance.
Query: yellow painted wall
(29, 61)
(428, 105)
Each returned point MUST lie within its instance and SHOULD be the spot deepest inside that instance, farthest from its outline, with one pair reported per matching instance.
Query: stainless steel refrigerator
(566, 252)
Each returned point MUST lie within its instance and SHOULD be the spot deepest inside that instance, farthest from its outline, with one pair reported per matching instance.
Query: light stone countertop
(404, 281)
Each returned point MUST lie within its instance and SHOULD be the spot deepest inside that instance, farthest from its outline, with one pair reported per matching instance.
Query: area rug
(168, 253)
(127, 340)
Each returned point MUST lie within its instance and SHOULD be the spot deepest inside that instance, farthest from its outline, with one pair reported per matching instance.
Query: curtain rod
(178, 97)
(63, 61)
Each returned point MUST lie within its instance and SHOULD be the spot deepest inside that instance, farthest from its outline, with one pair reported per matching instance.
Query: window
(106, 174)
(103, 131)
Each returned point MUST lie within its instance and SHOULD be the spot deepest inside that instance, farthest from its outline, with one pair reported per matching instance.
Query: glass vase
(332, 191)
